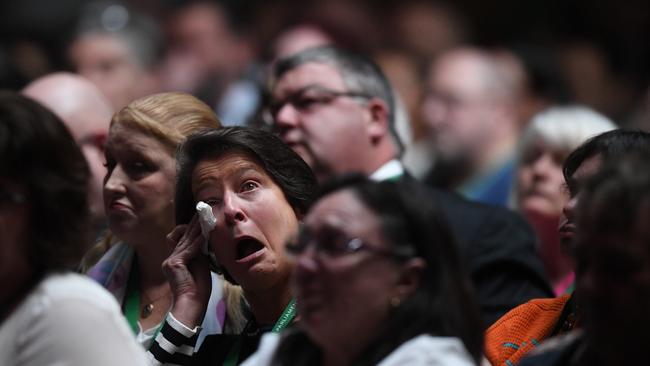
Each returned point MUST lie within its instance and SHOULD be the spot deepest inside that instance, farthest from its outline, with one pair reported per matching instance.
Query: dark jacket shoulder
(498, 248)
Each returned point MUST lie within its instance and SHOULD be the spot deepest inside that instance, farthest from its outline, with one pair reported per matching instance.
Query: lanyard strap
(285, 319)
(132, 299)
(132, 303)
(394, 178)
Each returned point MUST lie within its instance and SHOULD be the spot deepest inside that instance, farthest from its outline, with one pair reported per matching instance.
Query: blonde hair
(168, 117)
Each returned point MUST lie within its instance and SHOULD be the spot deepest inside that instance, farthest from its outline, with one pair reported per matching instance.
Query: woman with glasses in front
(377, 281)
(258, 190)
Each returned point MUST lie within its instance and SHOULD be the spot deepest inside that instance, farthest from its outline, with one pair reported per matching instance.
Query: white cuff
(182, 328)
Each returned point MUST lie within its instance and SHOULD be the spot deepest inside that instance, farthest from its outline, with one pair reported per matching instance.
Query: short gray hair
(359, 73)
(561, 129)
(565, 127)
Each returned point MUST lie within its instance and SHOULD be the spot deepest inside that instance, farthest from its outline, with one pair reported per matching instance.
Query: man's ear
(378, 121)
(410, 277)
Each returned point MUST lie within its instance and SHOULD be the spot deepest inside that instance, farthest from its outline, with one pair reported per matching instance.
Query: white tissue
(207, 221)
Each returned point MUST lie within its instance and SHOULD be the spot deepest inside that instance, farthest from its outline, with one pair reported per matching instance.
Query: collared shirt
(391, 170)
(492, 186)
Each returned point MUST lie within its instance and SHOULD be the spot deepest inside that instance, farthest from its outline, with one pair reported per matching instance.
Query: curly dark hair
(39, 154)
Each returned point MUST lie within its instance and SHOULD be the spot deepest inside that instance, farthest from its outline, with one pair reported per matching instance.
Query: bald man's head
(78, 102)
(87, 114)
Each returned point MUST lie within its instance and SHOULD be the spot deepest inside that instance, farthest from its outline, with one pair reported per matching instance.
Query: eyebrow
(210, 180)
(250, 168)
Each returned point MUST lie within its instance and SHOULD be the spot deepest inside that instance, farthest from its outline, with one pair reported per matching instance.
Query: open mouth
(247, 247)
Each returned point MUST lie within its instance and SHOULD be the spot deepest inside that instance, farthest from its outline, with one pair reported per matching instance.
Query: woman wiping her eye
(258, 189)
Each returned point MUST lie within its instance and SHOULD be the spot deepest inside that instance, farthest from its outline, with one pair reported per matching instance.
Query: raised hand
(188, 273)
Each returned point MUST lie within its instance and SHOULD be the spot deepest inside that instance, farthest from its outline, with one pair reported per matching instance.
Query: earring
(395, 301)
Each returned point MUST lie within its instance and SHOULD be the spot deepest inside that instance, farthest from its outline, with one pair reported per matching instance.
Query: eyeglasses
(309, 97)
(333, 247)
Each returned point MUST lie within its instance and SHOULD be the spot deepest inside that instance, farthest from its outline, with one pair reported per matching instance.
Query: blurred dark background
(593, 52)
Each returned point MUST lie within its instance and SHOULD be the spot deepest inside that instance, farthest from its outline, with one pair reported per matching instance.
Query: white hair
(561, 129)
(564, 128)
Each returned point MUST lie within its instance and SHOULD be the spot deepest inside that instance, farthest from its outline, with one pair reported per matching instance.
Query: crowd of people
(230, 213)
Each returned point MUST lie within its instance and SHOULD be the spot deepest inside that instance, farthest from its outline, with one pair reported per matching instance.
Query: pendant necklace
(147, 309)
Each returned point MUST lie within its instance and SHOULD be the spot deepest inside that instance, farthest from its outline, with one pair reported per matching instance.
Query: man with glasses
(87, 114)
(336, 110)
(333, 117)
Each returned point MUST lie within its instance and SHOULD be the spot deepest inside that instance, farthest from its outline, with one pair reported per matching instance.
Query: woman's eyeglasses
(333, 247)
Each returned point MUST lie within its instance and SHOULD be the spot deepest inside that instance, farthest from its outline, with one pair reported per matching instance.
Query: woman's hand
(188, 274)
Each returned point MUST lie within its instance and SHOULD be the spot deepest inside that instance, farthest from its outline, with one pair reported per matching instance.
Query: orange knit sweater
(522, 329)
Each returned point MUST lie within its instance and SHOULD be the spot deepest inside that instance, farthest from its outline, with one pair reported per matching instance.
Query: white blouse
(68, 320)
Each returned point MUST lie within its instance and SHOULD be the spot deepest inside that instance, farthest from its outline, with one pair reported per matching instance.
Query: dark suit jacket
(497, 247)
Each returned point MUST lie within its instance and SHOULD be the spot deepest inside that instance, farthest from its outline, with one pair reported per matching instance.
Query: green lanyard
(132, 299)
(132, 302)
(285, 319)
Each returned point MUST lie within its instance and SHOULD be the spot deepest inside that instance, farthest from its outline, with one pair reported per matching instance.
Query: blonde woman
(139, 203)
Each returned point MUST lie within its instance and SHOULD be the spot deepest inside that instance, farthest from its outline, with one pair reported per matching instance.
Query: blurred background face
(540, 183)
(139, 185)
(456, 109)
(353, 288)
(200, 32)
(254, 219)
(202, 51)
(107, 61)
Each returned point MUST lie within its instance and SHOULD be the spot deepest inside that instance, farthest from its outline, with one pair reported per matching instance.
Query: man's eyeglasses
(309, 97)
(333, 247)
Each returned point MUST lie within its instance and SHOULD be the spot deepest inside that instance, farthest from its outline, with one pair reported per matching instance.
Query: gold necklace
(147, 309)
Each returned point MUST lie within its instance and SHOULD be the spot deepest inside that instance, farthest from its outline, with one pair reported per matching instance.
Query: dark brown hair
(38, 154)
